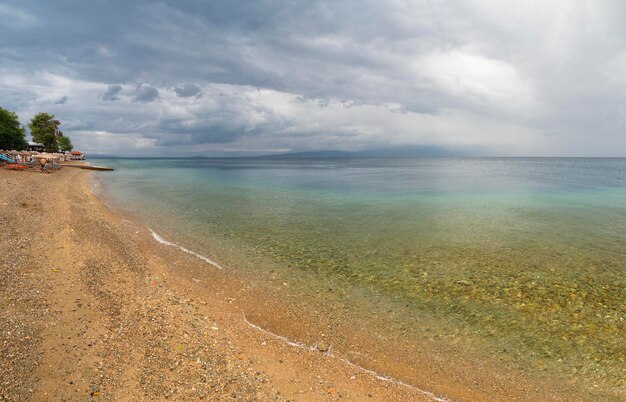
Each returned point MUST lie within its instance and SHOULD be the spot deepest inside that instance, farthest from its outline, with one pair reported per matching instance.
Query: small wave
(348, 362)
(93, 187)
(282, 338)
(161, 240)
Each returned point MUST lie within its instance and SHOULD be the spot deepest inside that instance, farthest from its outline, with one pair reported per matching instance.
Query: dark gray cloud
(541, 78)
(188, 90)
(61, 101)
(146, 93)
(112, 91)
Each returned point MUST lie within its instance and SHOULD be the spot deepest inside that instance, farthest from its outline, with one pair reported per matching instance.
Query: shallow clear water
(529, 252)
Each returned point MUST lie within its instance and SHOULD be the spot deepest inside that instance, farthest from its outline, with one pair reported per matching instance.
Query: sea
(521, 257)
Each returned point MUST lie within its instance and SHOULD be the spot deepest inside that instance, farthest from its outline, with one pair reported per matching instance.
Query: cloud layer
(151, 78)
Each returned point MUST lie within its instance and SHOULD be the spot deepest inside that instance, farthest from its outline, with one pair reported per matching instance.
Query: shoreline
(136, 286)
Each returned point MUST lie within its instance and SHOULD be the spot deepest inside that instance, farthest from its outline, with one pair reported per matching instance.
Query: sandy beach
(94, 308)
(87, 313)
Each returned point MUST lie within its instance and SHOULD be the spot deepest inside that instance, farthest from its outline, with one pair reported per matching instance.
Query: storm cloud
(146, 93)
(188, 90)
(190, 78)
(111, 92)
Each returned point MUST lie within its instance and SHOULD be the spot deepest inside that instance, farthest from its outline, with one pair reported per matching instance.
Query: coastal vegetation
(65, 144)
(12, 134)
(44, 129)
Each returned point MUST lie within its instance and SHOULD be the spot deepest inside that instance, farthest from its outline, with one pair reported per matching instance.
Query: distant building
(34, 146)
(77, 156)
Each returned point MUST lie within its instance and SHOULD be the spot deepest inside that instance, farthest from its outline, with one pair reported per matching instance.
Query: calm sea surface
(530, 253)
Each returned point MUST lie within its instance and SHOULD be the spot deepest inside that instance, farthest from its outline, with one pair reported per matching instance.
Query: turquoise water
(525, 252)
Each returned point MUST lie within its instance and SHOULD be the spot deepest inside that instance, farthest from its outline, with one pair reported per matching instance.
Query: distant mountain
(392, 152)
(431, 151)
(318, 154)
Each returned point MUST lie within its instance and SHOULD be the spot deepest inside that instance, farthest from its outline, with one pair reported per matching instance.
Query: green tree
(12, 135)
(45, 130)
(65, 144)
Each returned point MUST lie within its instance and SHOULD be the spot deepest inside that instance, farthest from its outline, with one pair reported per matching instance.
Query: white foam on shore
(329, 353)
(282, 338)
(161, 240)
(93, 187)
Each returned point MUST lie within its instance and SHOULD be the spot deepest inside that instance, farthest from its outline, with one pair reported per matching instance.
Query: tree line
(44, 128)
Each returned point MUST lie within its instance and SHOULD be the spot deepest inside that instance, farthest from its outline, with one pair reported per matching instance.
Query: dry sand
(94, 309)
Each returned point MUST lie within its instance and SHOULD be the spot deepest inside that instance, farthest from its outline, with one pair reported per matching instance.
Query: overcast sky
(203, 77)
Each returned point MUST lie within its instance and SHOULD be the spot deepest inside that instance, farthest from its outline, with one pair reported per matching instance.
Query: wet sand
(94, 307)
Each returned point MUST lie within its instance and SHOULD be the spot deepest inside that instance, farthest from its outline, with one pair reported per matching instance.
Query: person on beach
(43, 165)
